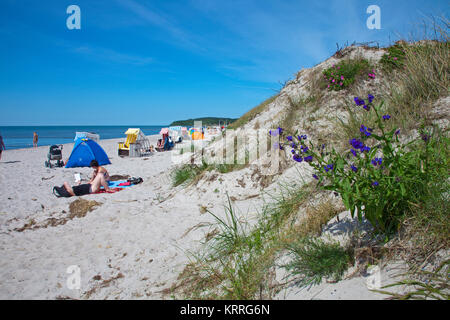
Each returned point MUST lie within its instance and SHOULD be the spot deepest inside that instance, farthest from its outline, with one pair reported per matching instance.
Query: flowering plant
(394, 58)
(335, 78)
(342, 75)
(377, 177)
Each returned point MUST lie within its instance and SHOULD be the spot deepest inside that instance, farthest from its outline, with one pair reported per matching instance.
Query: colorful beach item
(136, 145)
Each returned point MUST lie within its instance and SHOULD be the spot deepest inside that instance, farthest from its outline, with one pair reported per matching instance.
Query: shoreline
(70, 144)
(20, 137)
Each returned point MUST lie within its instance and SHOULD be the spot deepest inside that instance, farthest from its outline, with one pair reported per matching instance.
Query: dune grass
(237, 262)
(250, 115)
(314, 259)
(411, 90)
(433, 286)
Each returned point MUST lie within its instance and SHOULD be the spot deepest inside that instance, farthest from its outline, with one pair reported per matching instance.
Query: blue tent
(84, 151)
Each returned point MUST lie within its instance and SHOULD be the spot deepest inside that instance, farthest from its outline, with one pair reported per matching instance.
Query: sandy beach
(136, 235)
(132, 245)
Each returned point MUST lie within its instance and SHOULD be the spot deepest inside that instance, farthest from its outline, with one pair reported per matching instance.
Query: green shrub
(344, 74)
(378, 177)
(394, 58)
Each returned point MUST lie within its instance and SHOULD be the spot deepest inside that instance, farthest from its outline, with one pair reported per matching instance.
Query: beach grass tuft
(313, 259)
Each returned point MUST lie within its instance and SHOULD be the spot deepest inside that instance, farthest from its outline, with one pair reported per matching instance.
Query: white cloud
(112, 55)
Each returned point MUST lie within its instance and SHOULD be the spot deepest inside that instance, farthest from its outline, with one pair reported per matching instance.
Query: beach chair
(136, 144)
(166, 143)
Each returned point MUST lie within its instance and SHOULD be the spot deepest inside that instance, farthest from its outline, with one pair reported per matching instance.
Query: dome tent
(84, 151)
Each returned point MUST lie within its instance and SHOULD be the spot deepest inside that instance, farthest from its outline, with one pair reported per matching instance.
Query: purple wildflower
(355, 143)
(359, 101)
(425, 137)
(377, 161)
(365, 149)
(365, 130)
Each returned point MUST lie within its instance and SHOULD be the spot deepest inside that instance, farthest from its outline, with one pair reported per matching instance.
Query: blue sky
(152, 62)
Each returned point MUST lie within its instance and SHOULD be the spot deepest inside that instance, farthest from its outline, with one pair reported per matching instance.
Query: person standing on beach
(35, 139)
(2, 146)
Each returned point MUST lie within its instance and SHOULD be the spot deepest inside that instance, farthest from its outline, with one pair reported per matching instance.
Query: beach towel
(112, 190)
(115, 186)
(119, 184)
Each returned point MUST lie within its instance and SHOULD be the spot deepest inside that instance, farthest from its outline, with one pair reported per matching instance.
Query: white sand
(134, 232)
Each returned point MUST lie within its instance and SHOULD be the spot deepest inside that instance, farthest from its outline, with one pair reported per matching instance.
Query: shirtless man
(91, 187)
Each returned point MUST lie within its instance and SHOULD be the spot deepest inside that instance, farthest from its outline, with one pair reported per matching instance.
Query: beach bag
(61, 192)
(135, 180)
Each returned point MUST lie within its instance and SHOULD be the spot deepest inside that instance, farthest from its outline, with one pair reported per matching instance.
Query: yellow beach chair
(134, 137)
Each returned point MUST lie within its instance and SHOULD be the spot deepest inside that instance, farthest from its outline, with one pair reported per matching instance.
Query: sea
(19, 137)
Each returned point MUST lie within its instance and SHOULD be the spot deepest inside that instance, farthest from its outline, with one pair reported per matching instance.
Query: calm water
(22, 137)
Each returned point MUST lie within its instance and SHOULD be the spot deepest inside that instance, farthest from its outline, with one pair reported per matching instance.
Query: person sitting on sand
(2, 146)
(160, 144)
(98, 170)
(88, 188)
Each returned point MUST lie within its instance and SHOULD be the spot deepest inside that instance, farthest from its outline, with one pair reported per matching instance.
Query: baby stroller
(55, 153)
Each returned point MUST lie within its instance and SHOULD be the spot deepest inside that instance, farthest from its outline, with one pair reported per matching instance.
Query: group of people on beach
(3, 147)
(100, 176)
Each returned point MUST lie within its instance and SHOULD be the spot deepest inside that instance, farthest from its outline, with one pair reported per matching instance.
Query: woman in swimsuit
(97, 170)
